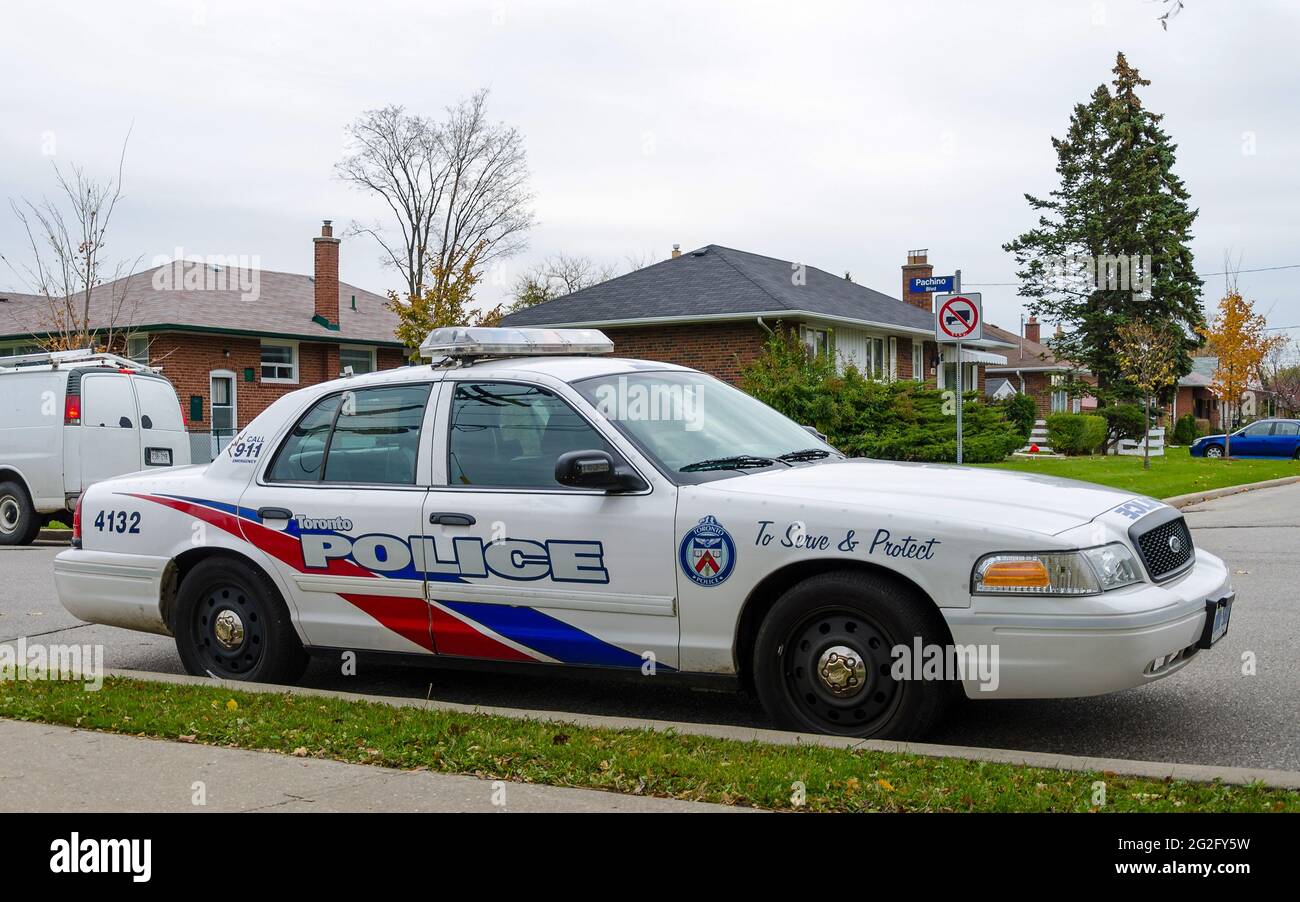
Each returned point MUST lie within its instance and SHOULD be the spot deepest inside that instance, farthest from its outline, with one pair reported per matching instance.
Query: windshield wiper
(805, 454)
(737, 462)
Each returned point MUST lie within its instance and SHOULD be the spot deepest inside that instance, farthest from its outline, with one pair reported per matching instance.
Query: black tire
(868, 614)
(19, 522)
(253, 641)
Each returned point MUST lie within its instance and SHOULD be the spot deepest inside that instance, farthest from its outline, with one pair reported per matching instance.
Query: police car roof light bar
(460, 342)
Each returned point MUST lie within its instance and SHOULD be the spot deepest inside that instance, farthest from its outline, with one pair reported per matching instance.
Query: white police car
(527, 500)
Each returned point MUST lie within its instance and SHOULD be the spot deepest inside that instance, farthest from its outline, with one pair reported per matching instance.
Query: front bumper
(1068, 647)
(115, 589)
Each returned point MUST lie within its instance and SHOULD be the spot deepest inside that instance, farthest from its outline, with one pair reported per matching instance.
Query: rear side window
(107, 400)
(159, 409)
(371, 436)
(1286, 429)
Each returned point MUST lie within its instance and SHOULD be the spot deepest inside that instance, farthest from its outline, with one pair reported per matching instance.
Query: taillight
(72, 411)
(76, 522)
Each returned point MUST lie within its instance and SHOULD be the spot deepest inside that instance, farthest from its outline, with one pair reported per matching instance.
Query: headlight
(1086, 572)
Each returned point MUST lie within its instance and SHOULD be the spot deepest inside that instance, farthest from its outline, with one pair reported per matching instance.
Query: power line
(1225, 273)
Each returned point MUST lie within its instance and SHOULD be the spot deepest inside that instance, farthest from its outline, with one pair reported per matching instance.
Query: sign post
(958, 318)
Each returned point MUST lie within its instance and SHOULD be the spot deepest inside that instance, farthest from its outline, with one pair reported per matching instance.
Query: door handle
(446, 518)
(274, 513)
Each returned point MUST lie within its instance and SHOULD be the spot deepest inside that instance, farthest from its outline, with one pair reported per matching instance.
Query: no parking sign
(958, 317)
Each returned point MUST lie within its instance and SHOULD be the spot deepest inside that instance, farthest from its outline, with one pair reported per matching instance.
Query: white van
(72, 418)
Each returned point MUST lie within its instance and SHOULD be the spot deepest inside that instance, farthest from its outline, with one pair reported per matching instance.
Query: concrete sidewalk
(60, 769)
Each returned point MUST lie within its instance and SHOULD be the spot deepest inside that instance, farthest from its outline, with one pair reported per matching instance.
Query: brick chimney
(677, 250)
(1032, 329)
(327, 277)
(917, 268)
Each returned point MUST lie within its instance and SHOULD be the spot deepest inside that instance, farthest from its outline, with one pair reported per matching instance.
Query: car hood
(1209, 438)
(985, 497)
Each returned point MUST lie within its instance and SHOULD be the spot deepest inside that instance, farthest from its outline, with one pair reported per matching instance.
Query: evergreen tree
(1118, 205)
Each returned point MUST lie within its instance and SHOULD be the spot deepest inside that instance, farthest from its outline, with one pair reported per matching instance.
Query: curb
(1159, 770)
(1210, 494)
(53, 535)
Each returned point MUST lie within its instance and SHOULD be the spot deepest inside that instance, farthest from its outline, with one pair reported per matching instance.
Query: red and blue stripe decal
(456, 628)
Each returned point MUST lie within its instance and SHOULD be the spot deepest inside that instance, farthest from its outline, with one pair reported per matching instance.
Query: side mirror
(813, 430)
(595, 470)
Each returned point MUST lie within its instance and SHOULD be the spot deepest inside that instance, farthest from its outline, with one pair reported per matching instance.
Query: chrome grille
(1166, 548)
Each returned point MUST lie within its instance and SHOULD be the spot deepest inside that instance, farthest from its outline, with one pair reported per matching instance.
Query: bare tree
(67, 239)
(453, 187)
(557, 276)
(1281, 371)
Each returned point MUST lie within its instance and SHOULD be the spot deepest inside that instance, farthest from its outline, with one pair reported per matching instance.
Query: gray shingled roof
(283, 307)
(721, 281)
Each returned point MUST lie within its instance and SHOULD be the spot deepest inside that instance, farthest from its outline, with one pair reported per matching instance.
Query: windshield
(690, 423)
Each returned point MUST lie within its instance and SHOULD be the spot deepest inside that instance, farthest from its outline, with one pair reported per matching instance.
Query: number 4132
(118, 521)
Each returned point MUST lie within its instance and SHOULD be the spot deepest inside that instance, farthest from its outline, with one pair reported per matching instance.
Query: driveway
(1210, 713)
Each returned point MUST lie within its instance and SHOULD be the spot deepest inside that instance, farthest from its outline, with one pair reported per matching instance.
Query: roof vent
(699, 252)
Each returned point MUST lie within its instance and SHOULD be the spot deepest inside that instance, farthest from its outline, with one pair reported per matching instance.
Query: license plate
(1217, 614)
(158, 457)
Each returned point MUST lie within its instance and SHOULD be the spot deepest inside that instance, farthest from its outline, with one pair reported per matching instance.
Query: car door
(336, 506)
(1285, 438)
(108, 443)
(522, 568)
(163, 440)
(1252, 441)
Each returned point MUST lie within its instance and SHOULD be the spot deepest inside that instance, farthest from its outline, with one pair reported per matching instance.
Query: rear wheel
(1214, 451)
(19, 522)
(231, 623)
(822, 659)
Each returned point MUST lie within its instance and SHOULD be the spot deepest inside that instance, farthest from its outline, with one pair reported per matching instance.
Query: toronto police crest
(707, 554)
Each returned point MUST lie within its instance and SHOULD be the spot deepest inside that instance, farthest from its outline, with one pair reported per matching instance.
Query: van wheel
(19, 524)
(822, 658)
(231, 623)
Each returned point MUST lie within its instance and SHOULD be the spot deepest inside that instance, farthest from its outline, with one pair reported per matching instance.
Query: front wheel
(1215, 451)
(19, 523)
(231, 623)
(823, 658)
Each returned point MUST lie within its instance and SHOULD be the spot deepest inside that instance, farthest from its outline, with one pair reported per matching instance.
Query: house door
(224, 414)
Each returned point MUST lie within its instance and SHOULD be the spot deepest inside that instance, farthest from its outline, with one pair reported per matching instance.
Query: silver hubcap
(9, 514)
(229, 629)
(1214, 452)
(842, 671)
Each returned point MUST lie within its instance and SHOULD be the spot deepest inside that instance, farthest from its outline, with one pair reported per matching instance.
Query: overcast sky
(840, 135)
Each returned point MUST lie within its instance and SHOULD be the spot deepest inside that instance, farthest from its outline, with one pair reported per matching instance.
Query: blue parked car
(1262, 438)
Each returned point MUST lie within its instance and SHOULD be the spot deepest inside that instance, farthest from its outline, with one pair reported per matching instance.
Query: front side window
(509, 435)
(684, 419)
(1258, 430)
(370, 436)
(279, 362)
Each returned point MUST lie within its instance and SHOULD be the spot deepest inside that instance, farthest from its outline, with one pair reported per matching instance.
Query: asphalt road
(1209, 713)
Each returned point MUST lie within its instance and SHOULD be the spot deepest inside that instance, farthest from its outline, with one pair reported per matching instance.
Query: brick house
(712, 309)
(231, 341)
(1032, 369)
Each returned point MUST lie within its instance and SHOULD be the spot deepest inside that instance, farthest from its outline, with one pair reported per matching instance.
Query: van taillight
(72, 411)
(76, 522)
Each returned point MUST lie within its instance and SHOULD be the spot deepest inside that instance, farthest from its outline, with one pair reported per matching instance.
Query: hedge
(1075, 433)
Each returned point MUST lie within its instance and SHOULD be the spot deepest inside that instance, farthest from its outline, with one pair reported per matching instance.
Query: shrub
(1021, 413)
(869, 418)
(1185, 430)
(1123, 421)
(1075, 433)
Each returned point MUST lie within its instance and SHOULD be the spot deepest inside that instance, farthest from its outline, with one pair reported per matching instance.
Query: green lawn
(641, 762)
(1176, 473)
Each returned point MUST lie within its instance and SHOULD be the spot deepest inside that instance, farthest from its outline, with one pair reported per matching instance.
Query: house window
(918, 361)
(969, 374)
(817, 341)
(876, 353)
(362, 360)
(223, 404)
(279, 362)
(137, 348)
